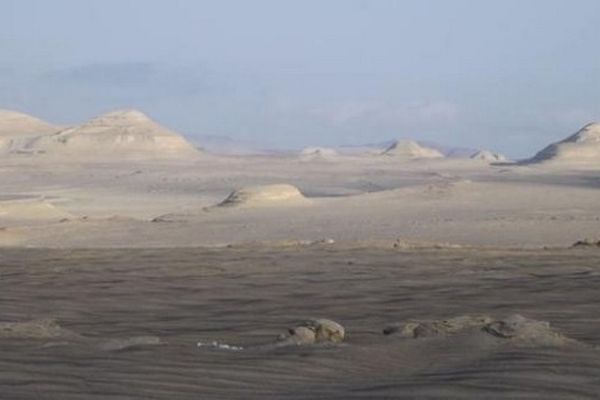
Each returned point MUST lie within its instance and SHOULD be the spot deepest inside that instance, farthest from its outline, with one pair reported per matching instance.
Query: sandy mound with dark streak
(18, 129)
(315, 153)
(112, 136)
(582, 147)
(489, 156)
(411, 150)
(265, 196)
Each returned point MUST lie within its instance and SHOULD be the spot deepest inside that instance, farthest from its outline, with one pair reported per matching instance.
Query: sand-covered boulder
(514, 329)
(18, 129)
(425, 328)
(38, 329)
(323, 330)
(488, 156)
(410, 149)
(581, 148)
(115, 136)
(264, 196)
(526, 331)
(314, 331)
(311, 332)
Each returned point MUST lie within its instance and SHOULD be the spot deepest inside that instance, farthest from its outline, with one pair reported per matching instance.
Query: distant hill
(411, 149)
(489, 156)
(116, 135)
(18, 129)
(583, 147)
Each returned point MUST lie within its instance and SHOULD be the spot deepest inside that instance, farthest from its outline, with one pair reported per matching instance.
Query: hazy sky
(507, 75)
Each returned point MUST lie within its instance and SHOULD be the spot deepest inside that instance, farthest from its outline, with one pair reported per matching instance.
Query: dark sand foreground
(112, 305)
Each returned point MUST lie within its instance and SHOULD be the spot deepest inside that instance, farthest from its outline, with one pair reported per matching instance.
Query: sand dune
(489, 156)
(264, 196)
(125, 133)
(581, 148)
(411, 149)
(312, 153)
(18, 129)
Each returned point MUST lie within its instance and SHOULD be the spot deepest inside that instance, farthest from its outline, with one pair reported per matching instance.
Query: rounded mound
(489, 156)
(18, 129)
(583, 147)
(318, 152)
(266, 195)
(411, 149)
(118, 134)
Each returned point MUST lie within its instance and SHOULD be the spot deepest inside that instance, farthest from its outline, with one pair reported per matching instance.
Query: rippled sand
(124, 324)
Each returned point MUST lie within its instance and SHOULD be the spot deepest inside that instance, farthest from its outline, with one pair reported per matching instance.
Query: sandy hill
(411, 149)
(318, 152)
(489, 156)
(265, 195)
(582, 147)
(17, 129)
(118, 134)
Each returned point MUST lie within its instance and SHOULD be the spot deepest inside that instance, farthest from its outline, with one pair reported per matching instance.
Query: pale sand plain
(352, 198)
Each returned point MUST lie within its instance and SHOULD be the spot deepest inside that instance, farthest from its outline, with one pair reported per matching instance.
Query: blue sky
(507, 75)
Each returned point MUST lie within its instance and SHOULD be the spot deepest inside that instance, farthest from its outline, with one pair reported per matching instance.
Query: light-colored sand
(123, 180)
(18, 129)
(354, 198)
(579, 149)
(113, 136)
(30, 209)
(411, 149)
(265, 196)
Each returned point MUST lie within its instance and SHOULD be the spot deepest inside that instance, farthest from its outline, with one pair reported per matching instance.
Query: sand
(123, 248)
(116, 135)
(580, 149)
(411, 149)
(134, 319)
(354, 199)
(17, 130)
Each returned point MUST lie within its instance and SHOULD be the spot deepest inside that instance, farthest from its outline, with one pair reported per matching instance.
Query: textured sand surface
(127, 323)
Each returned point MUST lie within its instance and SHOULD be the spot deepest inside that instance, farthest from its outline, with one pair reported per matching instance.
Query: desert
(272, 200)
(146, 267)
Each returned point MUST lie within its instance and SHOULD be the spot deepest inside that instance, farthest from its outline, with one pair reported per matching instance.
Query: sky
(506, 75)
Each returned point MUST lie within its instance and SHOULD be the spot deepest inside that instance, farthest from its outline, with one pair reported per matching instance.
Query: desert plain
(134, 265)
